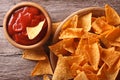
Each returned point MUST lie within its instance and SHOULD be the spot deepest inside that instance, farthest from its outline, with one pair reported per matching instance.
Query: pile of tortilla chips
(43, 66)
(89, 47)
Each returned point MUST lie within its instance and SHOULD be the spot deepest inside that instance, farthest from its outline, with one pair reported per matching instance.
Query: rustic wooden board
(59, 9)
(12, 66)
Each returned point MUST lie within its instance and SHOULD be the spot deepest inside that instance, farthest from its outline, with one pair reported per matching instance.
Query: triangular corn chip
(71, 33)
(112, 16)
(36, 54)
(85, 22)
(62, 68)
(81, 76)
(71, 23)
(34, 31)
(99, 26)
(42, 67)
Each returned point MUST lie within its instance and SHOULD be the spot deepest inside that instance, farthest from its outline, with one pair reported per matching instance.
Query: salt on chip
(85, 22)
(112, 16)
(34, 31)
(81, 76)
(71, 33)
(35, 54)
(99, 26)
(42, 67)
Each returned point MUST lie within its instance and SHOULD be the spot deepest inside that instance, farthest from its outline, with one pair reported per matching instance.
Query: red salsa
(26, 17)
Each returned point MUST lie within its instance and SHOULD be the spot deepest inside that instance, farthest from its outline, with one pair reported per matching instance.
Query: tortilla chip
(34, 31)
(113, 35)
(58, 48)
(107, 58)
(88, 47)
(92, 77)
(71, 33)
(69, 45)
(36, 54)
(99, 26)
(42, 67)
(46, 77)
(62, 70)
(112, 16)
(94, 55)
(85, 22)
(71, 23)
(107, 75)
(81, 76)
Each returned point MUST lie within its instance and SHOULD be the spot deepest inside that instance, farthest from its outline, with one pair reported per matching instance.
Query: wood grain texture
(12, 66)
(59, 9)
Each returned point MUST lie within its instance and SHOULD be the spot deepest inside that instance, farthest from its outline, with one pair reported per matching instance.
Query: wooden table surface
(12, 66)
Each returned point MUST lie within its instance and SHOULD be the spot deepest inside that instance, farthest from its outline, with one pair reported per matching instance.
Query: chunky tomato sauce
(22, 18)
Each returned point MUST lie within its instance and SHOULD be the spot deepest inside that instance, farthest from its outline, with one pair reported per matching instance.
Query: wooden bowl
(96, 12)
(9, 13)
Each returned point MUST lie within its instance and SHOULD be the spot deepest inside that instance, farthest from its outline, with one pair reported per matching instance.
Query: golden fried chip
(34, 31)
(42, 67)
(71, 33)
(112, 16)
(103, 73)
(81, 76)
(110, 56)
(62, 70)
(99, 26)
(69, 45)
(113, 35)
(58, 48)
(71, 23)
(36, 54)
(93, 55)
(88, 47)
(92, 77)
(85, 22)
(45, 77)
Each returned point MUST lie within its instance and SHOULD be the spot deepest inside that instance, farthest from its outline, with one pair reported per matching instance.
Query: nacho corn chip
(34, 31)
(99, 26)
(111, 15)
(113, 35)
(81, 76)
(85, 22)
(71, 33)
(45, 77)
(110, 56)
(58, 48)
(62, 68)
(71, 23)
(36, 54)
(42, 67)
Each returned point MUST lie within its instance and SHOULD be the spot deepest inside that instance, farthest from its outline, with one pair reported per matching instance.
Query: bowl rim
(19, 5)
(53, 58)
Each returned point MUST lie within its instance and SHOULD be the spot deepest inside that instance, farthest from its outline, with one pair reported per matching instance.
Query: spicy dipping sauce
(22, 18)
